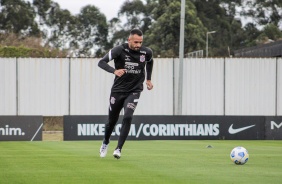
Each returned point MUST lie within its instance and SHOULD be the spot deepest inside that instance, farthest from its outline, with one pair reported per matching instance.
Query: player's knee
(110, 124)
(127, 118)
(113, 120)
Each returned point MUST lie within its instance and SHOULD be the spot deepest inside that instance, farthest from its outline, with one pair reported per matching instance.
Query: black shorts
(128, 101)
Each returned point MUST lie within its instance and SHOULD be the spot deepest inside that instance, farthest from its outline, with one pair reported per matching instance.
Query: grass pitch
(149, 162)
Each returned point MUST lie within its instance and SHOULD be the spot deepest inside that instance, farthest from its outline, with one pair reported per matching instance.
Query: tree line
(55, 32)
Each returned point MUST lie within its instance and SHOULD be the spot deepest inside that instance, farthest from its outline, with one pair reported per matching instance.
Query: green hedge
(11, 51)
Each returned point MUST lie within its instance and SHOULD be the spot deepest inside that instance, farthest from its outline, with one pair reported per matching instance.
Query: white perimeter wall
(212, 86)
(43, 86)
(279, 87)
(250, 87)
(8, 89)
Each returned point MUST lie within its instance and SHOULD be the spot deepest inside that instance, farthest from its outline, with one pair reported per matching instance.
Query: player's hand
(120, 72)
(149, 85)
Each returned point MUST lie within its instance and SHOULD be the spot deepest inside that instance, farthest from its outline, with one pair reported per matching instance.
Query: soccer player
(130, 61)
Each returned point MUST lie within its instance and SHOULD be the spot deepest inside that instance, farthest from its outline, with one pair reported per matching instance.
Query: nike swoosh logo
(231, 130)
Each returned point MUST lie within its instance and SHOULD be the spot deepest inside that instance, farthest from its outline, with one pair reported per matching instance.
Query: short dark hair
(136, 31)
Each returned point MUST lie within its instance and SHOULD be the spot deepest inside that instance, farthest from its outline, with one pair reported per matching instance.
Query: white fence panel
(90, 87)
(250, 86)
(8, 92)
(279, 87)
(176, 63)
(43, 86)
(203, 86)
(56, 87)
(159, 100)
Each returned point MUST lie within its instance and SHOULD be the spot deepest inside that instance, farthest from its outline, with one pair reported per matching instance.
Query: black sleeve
(149, 64)
(112, 54)
(103, 63)
(149, 69)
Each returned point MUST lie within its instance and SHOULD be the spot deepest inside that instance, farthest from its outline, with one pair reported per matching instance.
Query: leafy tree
(264, 12)
(160, 22)
(17, 16)
(93, 29)
(264, 18)
(164, 34)
(219, 16)
(84, 34)
(137, 13)
(251, 33)
(43, 9)
(89, 33)
(269, 33)
(57, 25)
(272, 32)
(117, 33)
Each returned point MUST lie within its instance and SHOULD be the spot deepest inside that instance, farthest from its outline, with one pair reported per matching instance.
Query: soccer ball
(239, 155)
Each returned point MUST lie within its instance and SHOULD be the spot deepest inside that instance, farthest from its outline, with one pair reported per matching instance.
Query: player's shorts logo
(113, 100)
(131, 106)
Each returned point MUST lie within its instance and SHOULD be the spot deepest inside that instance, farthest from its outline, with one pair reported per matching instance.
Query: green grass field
(141, 162)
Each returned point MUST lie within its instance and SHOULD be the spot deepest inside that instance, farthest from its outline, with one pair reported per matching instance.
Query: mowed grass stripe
(141, 162)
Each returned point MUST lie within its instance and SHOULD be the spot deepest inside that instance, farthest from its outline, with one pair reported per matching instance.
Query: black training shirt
(134, 62)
